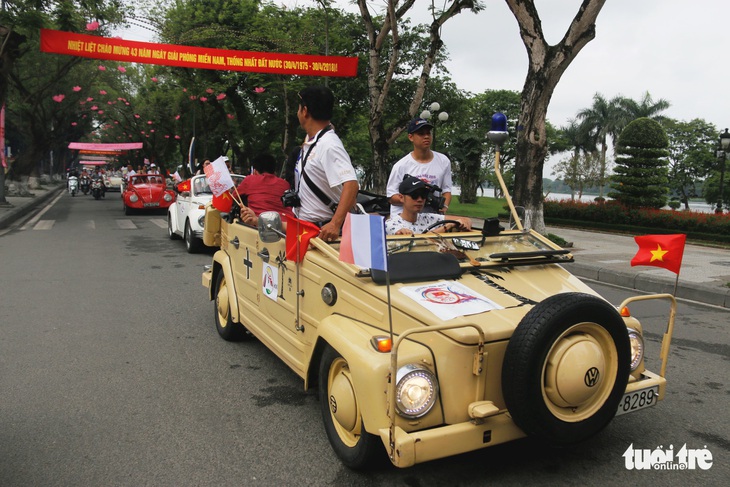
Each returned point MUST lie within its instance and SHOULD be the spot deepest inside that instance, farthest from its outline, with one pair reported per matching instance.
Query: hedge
(614, 216)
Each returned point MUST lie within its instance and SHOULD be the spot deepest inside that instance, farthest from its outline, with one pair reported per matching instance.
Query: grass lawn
(483, 208)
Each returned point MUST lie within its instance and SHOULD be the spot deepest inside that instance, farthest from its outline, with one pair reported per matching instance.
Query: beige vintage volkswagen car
(472, 339)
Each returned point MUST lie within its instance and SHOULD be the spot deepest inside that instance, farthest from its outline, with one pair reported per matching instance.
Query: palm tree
(645, 108)
(579, 140)
(603, 120)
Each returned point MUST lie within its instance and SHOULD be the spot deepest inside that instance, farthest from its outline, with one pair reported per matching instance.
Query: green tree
(602, 120)
(578, 171)
(390, 61)
(546, 65)
(644, 108)
(29, 80)
(691, 155)
(641, 175)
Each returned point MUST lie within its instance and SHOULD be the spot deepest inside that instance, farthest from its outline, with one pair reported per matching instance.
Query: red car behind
(147, 192)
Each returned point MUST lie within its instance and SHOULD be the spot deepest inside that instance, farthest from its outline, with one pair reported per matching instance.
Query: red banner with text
(73, 44)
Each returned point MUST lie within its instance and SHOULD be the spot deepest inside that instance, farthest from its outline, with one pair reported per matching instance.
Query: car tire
(551, 390)
(170, 232)
(192, 243)
(127, 210)
(341, 415)
(227, 328)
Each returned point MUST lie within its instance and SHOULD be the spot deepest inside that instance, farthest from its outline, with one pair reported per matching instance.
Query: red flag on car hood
(184, 186)
(660, 251)
(298, 234)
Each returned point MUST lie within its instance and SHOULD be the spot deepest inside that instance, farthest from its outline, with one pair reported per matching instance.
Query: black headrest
(418, 267)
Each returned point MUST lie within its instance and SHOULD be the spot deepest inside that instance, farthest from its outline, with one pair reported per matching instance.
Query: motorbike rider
(97, 175)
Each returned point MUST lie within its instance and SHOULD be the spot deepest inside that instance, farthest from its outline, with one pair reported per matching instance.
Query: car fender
(222, 263)
(369, 368)
(172, 214)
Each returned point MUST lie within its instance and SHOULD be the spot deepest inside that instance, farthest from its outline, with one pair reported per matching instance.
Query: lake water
(699, 206)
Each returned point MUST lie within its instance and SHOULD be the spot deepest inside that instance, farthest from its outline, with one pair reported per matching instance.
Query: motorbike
(84, 184)
(73, 185)
(97, 188)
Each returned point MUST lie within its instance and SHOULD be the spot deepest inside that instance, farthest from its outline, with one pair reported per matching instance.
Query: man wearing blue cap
(432, 167)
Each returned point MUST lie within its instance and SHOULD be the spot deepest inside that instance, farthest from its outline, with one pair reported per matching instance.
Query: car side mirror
(270, 227)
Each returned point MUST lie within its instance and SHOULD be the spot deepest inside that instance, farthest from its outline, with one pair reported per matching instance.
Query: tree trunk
(546, 66)
(379, 83)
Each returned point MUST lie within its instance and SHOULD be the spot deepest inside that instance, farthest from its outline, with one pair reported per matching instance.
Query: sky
(677, 50)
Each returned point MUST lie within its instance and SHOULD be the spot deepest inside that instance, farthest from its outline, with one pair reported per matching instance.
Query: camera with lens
(291, 198)
(433, 201)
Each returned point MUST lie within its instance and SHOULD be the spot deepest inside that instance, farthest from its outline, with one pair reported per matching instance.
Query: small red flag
(223, 203)
(660, 251)
(298, 234)
(184, 186)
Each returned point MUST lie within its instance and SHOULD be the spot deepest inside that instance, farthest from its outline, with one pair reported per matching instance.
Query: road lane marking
(126, 225)
(159, 222)
(31, 223)
(44, 225)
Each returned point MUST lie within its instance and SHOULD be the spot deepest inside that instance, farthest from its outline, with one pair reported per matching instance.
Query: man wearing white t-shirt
(323, 166)
(432, 167)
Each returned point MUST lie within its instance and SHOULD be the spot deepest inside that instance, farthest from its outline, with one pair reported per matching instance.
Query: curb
(651, 284)
(9, 217)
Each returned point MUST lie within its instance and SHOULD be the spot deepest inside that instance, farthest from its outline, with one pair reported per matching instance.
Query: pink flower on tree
(154, 80)
(77, 88)
(230, 116)
(58, 98)
(122, 69)
(203, 99)
(92, 25)
(209, 91)
(222, 96)
(102, 68)
(259, 89)
(102, 92)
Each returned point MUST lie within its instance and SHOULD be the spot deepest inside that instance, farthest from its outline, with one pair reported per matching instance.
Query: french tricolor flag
(363, 241)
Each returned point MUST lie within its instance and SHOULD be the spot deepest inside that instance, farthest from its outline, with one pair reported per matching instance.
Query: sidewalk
(602, 257)
(20, 206)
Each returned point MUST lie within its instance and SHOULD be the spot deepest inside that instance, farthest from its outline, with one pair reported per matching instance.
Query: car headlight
(637, 348)
(416, 391)
(167, 197)
(201, 221)
(133, 198)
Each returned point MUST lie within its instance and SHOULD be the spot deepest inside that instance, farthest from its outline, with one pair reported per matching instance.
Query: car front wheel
(341, 414)
(192, 243)
(227, 328)
(170, 232)
(566, 368)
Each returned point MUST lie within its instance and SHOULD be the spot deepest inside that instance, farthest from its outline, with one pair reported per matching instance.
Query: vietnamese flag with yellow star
(660, 251)
(223, 203)
(298, 235)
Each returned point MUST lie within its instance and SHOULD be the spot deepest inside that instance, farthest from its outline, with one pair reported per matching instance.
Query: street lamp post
(442, 116)
(724, 146)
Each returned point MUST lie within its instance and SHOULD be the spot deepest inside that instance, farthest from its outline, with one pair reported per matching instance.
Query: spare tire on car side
(566, 368)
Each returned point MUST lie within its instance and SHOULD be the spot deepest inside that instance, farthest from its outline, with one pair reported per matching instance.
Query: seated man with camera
(411, 220)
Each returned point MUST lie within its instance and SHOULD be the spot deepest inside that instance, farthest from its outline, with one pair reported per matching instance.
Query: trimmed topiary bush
(641, 174)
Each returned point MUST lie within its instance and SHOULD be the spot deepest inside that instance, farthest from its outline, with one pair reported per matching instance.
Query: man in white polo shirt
(324, 177)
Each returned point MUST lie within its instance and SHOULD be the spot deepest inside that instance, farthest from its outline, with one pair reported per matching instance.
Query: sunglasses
(419, 195)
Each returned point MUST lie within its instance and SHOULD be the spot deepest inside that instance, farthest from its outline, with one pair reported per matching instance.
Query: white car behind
(186, 216)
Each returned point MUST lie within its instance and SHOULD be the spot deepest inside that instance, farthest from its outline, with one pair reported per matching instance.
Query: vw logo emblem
(333, 404)
(591, 377)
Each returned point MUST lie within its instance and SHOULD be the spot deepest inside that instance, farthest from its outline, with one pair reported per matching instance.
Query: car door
(266, 289)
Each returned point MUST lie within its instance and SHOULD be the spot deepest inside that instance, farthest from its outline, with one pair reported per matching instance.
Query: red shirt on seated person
(262, 190)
